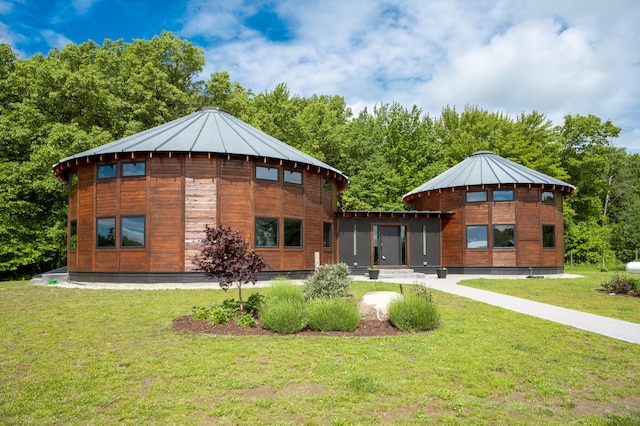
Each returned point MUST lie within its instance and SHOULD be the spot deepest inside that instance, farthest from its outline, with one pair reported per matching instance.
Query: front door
(390, 245)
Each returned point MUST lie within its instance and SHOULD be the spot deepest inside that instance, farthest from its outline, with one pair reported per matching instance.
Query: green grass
(572, 293)
(77, 357)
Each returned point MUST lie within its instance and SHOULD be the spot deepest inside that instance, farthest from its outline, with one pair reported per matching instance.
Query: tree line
(82, 96)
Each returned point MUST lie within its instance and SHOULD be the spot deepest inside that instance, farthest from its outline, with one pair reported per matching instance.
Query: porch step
(390, 274)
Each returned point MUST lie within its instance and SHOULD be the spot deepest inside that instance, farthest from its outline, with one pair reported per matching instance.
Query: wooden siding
(85, 253)
(453, 232)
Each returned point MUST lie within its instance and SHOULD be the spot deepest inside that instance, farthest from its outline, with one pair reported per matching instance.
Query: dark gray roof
(487, 168)
(209, 130)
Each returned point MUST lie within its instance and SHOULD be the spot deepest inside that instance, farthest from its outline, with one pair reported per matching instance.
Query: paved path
(621, 330)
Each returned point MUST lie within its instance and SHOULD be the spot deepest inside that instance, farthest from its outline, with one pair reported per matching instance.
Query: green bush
(413, 312)
(284, 316)
(200, 312)
(245, 320)
(620, 284)
(221, 314)
(331, 281)
(282, 289)
(253, 303)
(332, 315)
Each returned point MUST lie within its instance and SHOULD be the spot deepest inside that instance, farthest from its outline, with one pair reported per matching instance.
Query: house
(138, 208)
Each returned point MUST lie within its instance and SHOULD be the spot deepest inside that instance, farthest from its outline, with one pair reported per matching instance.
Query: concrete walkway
(621, 330)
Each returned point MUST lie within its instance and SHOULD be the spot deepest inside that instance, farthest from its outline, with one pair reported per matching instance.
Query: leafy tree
(224, 255)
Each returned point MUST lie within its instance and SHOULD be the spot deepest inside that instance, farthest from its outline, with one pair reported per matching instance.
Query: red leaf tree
(225, 256)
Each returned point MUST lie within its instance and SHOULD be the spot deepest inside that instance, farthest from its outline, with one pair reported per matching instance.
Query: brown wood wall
(180, 195)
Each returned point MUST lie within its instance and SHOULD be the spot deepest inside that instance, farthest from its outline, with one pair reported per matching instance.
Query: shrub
(329, 282)
(332, 315)
(284, 316)
(620, 284)
(220, 314)
(414, 312)
(200, 312)
(245, 320)
(282, 289)
(253, 303)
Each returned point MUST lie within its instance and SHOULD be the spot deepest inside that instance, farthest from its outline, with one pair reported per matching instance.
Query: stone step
(390, 274)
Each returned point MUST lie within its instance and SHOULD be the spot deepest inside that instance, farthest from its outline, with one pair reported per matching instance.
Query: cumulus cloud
(55, 39)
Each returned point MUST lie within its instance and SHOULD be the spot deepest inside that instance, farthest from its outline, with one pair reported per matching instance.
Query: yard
(70, 356)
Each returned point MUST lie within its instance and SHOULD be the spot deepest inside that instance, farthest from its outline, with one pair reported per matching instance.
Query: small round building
(138, 206)
(504, 217)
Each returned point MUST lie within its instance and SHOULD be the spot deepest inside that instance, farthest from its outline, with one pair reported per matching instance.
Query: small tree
(225, 255)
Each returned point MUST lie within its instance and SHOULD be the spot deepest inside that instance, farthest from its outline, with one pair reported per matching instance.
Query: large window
(107, 171)
(477, 236)
(106, 232)
(503, 236)
(292, 176)
(73, 234)
(266, 232)
(132, 231)
(503, 195)
(267, 173)
(132, 169)
(548, 197)
(476, 196)
(548, 236)
(292, 233)
(326, 234)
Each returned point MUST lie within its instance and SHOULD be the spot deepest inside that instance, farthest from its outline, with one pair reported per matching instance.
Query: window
(73, 234)
(106, 171)
(477, 236)
(106, 232)
(291, 176)
(73, 179)
(266, 232)
(548, 236)
(503, 236)
(132, 231)
(548, 197)
(292, 233)
(476, 196)
(326, 235)
(503, 195)
(267, 173)
(326, 184)
(134, 169)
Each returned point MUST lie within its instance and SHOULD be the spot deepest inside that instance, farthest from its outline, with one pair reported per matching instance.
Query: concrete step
(390, 274)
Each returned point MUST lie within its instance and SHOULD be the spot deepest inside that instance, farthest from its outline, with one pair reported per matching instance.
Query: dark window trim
(287, 171)
(122, 164)
(513, 195)
(486, 196)
(73, 178)
(115, 236)
(553, 226)
(268, 168)
(255, 224)
(99, 165)
(493, 236)
(327, 238)
(284, 241)
(466, 229)
(73, 232)
(553, 198)
(327, 185)
(144, 243)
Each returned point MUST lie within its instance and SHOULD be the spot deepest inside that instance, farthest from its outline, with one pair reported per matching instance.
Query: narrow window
(132, 231)
(424, 240)
(476, 196)
(106, 232)
(73, 234)
(107, 171)
(134, 169)
(355, 239)
(326, 234)
(266, 232)
(548, 236)
(503, 236)
(291, 176)
(326, 184)
(503, 195)
(73, 180)
(292, 233)
(548, 197)
(477, 236)
(267, 173)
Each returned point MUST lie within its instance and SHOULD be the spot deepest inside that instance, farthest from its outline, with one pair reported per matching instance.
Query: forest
(82, 96)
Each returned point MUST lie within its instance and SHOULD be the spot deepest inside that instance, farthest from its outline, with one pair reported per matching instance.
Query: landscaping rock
(374, 306)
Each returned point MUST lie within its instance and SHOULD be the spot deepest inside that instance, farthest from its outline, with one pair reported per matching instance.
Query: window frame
(468, 232)
(267, 169)
(274, 220)
(486, 196)
(286, 176)
(327, 235)
(551, 201)
(73, 178)
(123, 220)
(102, 166)
(506, 226)
(290, 221)
(327, 185)
(505, 191)
(115, 236)
(73, 234)
(553, 234)
(134, 175)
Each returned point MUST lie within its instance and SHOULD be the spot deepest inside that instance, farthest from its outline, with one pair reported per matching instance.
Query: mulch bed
(365, 329)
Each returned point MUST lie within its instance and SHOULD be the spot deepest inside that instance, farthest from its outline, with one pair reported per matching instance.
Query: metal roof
(487, 168)
(208, 130)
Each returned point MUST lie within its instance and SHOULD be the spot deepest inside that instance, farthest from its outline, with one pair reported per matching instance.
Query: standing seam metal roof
(208, 130)
(486, 168)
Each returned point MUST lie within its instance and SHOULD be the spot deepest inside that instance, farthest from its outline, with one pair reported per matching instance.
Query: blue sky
(557, 57)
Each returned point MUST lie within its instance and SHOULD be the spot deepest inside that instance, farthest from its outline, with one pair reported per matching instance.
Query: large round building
(138, 206)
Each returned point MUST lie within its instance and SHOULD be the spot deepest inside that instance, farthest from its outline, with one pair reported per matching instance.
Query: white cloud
(82, 6)
(55, 39)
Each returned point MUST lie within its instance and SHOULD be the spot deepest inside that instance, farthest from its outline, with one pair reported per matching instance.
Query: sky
(556, 57)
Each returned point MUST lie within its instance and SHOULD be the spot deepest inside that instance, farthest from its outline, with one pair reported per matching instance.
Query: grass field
(71, 356)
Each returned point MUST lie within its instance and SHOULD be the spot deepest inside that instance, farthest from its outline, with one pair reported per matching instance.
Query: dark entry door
(389, 250)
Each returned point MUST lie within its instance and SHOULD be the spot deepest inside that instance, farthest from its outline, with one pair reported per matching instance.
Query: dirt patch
(365, 329)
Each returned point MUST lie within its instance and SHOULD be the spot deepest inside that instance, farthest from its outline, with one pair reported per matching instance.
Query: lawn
(574, 293)
(72, 356)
